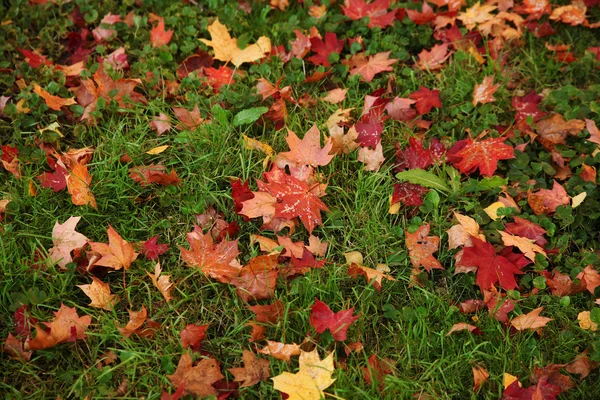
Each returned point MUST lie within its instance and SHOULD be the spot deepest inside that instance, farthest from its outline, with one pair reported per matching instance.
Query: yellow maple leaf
(226, 48)
(309, 382)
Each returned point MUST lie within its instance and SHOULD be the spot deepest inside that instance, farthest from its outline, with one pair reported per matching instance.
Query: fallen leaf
(484, 91)
(157, 150)
(258, 279)
(15, 348)
(426, 99)
(305, 151)
(217, 261)
(480, 375)
(151, 249)
(377, 11)
(197, 380)
(434, 59)
(585, 321)
(226, 49)
(421, 248)
(372, 275)
(136, 320)
(161, 282)
(527, 246)
(462, 326)
(460, 235)
(367, 68)
(67, 326)
(160, 124)
(546, 201)
(531, 320)
(268, 313)
(158, 35)
(309, 382)
(280, 351)
(335, 96)
(117, 254)
(322, 318)
(323, 48)
(153, 173)
(483, 155)
(582, 365)
(590, 277)
(99, 293)
(192, 336)
(78, 185)
(372, 158)
(65, 240)
(255, 370)
(53, 102)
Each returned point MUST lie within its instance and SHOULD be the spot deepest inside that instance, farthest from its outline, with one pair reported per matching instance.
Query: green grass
(404, 323)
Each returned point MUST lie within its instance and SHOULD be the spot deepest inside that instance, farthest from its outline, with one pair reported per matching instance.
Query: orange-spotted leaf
(421, 248)
(545, 201)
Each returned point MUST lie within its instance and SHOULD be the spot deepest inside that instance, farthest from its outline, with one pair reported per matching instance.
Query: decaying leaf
(198, 379)
(67, 326)
(255, 370)
(161, 282)
(281, 351)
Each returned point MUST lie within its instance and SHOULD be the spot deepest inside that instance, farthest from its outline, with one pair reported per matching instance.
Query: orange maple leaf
(484, 91)
(367, 68)
(255, 370)
(421, 248)
(117, 254)
(53, 102)
(67, 326)
(531, 320)
(78, 185)
(197, 380)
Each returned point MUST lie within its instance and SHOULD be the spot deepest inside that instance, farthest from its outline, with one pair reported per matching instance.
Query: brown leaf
(197, 380)
(531, 320)
(554, 129)
(546, 201)
(462, 326)
(192, 336)
(67, 326)
(268, 313)
(136, 320)
(117, 254)
(258, 331)
(257, 280)
(582, 365)
(99, 293)
(460, 235)
(370, 274)
(591, 277)
(14, 347)
(255, 370)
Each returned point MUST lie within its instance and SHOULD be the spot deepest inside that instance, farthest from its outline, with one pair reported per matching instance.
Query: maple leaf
(462, 326)
(78, 185)
(34, 59)
(151, 249)
(409, 194)
(117, 254)
(590, 277)
(226, 49)
(480, 375)
(527, 246)
(53, 102)
(280, 351)
(491, 267)
(99, 293)
(425, 16)
(426, 99)
(258, 279)
(10, 160)
(295, 198)
(531, 320)
(546, 201)
(372, 158)
(372, 275)
(413, 156)
(193, 63)
(323, 48)
(268, 313)
(322, 318)
(484, 91)
(376, 370)
(153, 173)
(435, 58)
(65, 240)
(592, 130)
(192, 336)
(421, 248)
(526, 228)
(305, 151)
(483, 155)
(460, 235)
(67, 326)
(189, 119)
(15, 348)
(476, 14)
(309, 382)
(158, 36)
(161, 282)
(367, 68)
(255, 370)
(369, 130)
(561, 284)
(335, 96)
(582, 365)
(377, 11)
(197, 380)
(554, 130)
(217, 261)
(160, 124)
(56, 180)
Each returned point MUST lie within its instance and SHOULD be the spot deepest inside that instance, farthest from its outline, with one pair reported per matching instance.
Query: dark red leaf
(322, 318)
(413, 156)
(409, 194)
(525, 228)
(192, 336)
(151, 249)
(369, 131)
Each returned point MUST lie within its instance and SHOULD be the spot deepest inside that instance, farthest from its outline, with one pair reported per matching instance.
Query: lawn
(261, 199)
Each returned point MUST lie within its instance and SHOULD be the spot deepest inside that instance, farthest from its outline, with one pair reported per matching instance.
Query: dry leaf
(585, 321)
(162, 283)
(197, 380)
(527, 246)
(67, 326)
(531, 320)
(480, 375)
(309, 382)
(117, 254)
(136, 320)
(281, 351)
(255, 370)
(99, 293)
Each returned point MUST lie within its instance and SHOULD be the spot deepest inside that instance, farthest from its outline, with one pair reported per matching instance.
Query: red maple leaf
(158, 35)
(240, 192)
(422, 17)
(195, 62)
(295, 198)
(219, 77)
(483, 154)
(322, 318)
(369, 130)
(409, 194)
(421, 248)
(413, 156)
(377, 12)
(426, 99)
(151, 249)
(434, 59)
(526, 228)
(34, 59)
(528, 106)
(491, 267)
(323, 48)
(192, 336)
